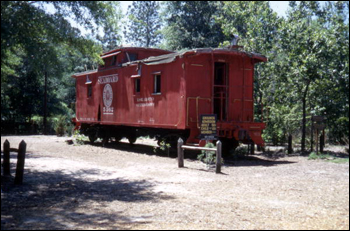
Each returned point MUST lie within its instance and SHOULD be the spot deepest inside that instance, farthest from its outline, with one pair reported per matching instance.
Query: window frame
(157, 83)
(137, 86)
(89, 90)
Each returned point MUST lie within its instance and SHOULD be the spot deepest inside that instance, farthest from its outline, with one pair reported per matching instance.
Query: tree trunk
(45, 105)
(290, 144)
(303, 135)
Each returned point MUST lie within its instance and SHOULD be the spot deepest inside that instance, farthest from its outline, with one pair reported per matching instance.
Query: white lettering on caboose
(108, 79)
(145, 102)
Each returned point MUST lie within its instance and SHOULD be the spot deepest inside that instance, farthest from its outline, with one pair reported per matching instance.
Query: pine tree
(192, 24)
(143, 27)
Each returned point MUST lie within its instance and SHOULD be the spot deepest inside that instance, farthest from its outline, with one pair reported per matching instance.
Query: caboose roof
(172, 56)
(169, 58)
(133, 49)
(84, 73)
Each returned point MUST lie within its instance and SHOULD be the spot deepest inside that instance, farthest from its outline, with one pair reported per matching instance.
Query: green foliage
(328, 157)
(112, 38)
(35, 42)
(340, 160)
(208, 157)
(38, 123)
(79, 139)
(192, 24)
(163, 146)
(143, 25)
(315, 156)
(253, 21)
(308, 68)
(240, 152)
(285, 120)
(61, 125)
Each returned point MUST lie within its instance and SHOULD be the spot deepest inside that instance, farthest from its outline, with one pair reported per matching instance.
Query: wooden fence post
(252, 148)
(218, 156)
(20, 162)
(312, 136)
(317, 141)
(7, 171)
(180, 153)
(322, 142)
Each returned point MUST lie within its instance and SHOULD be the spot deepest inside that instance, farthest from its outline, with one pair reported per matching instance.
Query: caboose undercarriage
(228, 134)
(117, 132)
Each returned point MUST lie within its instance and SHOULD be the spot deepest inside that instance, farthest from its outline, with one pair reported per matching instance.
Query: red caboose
(144, 91)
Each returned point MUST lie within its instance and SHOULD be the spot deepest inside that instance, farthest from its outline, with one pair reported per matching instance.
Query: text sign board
(208, 127)
(318, 118)
(320, 126)
(318, 122)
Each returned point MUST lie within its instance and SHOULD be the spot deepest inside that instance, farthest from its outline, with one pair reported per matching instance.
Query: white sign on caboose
(108, 92)
(108, 99)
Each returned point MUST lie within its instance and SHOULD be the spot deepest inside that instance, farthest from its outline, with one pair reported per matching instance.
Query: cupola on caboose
(162, 94)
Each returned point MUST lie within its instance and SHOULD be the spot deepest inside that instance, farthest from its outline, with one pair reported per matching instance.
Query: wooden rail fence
(181, 148)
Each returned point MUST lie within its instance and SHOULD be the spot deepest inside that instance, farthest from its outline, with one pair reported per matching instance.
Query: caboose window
(131, 56)
(157, 84)
(137, 85)
(88, 83)
(89, 90)
(114, 60)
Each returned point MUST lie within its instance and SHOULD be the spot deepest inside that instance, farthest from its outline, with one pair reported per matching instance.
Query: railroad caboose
(162, 94)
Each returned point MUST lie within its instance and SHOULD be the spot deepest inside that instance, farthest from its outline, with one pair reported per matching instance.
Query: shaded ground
(129, 187)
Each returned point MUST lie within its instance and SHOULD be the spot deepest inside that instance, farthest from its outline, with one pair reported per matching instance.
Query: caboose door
(221, 89)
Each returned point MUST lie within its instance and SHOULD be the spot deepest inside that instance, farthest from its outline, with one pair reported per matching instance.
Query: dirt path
(124, 187)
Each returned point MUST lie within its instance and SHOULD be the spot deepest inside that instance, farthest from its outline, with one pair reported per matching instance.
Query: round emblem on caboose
(107, 95)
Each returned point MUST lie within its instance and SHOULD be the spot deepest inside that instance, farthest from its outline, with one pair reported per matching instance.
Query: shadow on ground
(145, 149)
(254, 160)
(260, 159)
(57, 200)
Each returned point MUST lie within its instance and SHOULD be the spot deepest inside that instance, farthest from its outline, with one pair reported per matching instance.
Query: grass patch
(320, 156)
(340, 160)
(328, 157)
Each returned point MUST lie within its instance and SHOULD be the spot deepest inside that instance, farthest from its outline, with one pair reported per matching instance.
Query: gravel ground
(129, 187)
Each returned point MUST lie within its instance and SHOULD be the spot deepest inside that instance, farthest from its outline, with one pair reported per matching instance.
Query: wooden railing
(181, 148)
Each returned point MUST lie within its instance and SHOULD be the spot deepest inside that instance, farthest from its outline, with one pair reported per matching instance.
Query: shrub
(79, 138)
(61, 125)
(240, 152)
(208, 157)
(163, 146)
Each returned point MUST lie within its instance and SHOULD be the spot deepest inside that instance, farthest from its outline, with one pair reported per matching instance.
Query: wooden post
(290, 144)
(322, 142)
(317, 141)
(258, 148)
(252, 148)
(45, 104)
(312, 135)
(20, 162)
(218, 156)
(180, 153)
(7, 171)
